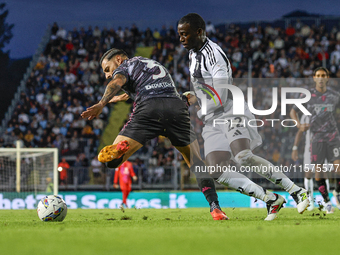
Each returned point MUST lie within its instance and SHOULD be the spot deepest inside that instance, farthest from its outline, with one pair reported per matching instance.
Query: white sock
(309, 186)
(245, 186)
(306, 182)
(266, 169)
(311, 193)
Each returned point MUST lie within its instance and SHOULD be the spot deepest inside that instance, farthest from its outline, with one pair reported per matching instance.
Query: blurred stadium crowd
(67, 79)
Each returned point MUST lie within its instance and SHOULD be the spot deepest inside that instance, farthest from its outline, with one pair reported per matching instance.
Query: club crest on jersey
(206, 88)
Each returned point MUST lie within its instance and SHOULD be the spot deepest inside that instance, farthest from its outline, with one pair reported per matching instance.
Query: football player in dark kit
(157, 110)
(325, 138)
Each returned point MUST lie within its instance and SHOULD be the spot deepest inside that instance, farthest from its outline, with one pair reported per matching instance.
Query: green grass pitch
(169, 231)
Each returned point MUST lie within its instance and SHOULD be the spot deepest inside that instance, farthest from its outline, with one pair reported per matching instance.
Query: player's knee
(114, 163)
(244, 157)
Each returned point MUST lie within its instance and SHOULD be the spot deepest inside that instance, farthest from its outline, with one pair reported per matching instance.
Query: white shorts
(220, 134)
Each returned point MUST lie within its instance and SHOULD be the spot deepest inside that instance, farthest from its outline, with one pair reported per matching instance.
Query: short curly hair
(194, 20)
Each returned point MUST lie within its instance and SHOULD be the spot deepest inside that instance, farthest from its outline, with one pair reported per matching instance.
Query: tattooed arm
(120, 98)
(111, 90)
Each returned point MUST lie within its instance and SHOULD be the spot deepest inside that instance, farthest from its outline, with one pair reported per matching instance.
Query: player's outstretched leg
(207, 186)
(267, 170)
(205, 183)
(246, 186)
(114, 155)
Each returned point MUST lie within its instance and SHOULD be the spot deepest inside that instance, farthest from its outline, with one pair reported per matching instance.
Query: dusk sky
(32, 17)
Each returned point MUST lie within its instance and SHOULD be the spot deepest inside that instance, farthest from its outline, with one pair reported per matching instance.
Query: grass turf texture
(170, 231)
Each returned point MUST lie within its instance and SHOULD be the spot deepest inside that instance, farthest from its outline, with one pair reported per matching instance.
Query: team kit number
(151, 64)
(336, 152)
(236, 122)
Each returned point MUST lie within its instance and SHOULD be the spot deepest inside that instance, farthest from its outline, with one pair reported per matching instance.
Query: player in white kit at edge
(209, 67)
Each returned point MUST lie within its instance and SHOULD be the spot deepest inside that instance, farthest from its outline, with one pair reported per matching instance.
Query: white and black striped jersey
(208, 67)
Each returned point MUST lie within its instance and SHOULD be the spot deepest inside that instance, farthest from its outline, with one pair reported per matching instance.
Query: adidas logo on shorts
(237, 132)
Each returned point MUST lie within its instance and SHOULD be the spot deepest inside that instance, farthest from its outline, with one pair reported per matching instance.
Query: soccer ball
(52, 208)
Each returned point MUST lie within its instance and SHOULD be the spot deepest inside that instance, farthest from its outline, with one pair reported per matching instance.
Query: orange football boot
(114, 151)
(217, 214)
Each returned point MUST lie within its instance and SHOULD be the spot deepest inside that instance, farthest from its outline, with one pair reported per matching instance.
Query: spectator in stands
(159, 173)
(96, 170)
(61, 33)
(210, 29)
(28, 138)
(290, 30)
(54, 28)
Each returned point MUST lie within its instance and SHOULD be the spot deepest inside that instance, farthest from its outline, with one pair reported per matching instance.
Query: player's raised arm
(111, 90)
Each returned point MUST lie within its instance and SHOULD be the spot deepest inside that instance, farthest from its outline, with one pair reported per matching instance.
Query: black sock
(337, 185)
(207, 186)
(114, 163)
(323, 190)
(204, 181)
(214, 205)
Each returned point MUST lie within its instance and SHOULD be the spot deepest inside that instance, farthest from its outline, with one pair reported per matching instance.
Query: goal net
(27, 172)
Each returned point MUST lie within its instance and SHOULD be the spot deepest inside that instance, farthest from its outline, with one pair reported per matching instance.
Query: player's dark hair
(321, 68)
(111, 53)
(194, 20)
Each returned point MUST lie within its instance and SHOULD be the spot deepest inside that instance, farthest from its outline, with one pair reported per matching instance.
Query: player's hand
(304, 127)
(119, 98)
(92, 112)
(134, 178)
(192, 99)
(116, 186)
(295, 155)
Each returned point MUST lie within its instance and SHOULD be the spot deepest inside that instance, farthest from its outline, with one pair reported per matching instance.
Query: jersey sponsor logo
(323, 108)
(159, 85)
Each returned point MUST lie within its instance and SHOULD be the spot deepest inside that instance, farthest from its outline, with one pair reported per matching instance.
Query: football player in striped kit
(209, 68)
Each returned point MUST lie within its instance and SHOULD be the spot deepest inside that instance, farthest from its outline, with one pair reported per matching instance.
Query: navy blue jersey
(146, 78)
(322, 107)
